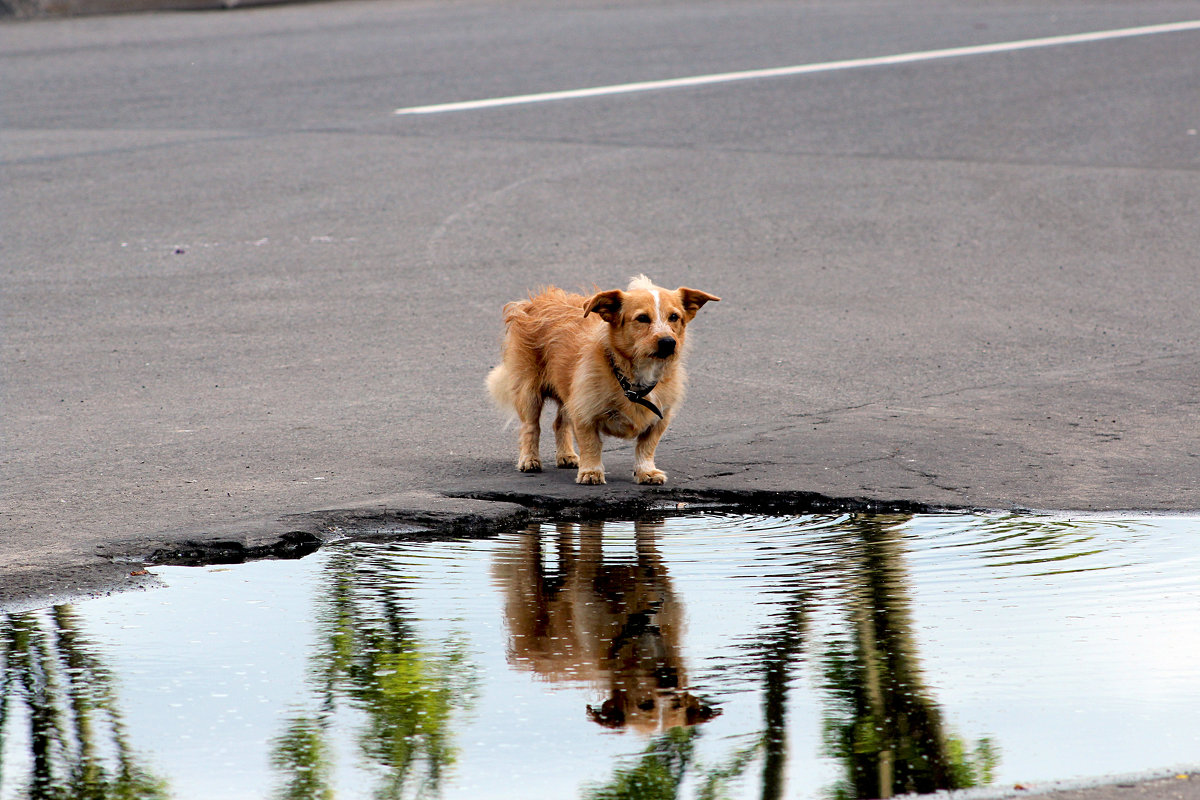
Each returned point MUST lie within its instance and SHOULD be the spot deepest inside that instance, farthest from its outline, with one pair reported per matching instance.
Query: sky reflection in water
(704, 656)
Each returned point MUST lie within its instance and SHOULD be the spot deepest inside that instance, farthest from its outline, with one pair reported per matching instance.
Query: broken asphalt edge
(120, 565)
(472, 513)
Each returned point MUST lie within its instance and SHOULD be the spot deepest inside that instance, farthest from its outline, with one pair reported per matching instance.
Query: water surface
(703, 656)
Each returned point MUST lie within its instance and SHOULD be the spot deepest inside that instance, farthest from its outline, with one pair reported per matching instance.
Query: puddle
(692, 657)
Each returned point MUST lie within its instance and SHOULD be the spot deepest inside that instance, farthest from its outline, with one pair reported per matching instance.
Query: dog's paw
(591, 477)
(651, 476)
(529, 464)
(567, 461)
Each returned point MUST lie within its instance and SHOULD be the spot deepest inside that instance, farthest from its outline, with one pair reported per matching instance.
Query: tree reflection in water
(579, 616)
(882, 722)
(77, 741)
(370, 656)
(576, 611)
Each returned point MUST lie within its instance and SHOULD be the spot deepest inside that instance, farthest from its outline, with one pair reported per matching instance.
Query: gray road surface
(237, 290)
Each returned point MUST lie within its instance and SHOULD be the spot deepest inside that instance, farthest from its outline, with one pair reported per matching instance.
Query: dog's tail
(499, 380)
(513, 310)
(499, 386)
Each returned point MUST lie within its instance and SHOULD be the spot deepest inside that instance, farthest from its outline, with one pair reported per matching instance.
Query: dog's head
(648, 321)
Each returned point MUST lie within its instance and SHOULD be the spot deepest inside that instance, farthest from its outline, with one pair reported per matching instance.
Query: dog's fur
(576, 612)
(566, 346)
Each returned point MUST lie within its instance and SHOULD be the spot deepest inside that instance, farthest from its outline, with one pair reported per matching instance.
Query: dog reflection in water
(575, 615)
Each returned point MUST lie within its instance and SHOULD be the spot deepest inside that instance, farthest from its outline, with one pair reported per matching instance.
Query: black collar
(634, 394)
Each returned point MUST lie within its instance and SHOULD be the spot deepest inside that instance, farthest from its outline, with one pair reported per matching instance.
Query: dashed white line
(804, 69)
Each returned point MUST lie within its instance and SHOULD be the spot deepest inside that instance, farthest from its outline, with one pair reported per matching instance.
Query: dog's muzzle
(666, 347)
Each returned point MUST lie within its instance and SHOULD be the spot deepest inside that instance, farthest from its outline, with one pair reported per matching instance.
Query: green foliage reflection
(371, 658)
(667, 761)
(302, 753)
(78, 746)
(657, 774)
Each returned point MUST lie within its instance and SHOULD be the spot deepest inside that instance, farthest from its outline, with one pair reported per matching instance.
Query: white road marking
(805, 69)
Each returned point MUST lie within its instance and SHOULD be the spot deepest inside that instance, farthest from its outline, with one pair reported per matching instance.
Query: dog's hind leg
(529, 412)
(526, 403)
(564, 441)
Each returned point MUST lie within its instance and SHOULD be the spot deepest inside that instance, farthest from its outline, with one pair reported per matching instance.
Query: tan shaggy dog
(612, 361)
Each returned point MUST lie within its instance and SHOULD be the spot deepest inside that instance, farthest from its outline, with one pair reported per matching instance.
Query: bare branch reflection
(882, 721)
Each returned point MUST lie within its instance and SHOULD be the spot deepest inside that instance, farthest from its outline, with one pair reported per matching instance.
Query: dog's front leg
(644, 470)
(591, 468)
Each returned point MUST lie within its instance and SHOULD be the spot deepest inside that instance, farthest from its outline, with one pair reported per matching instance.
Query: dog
(613, 362)
(576, 613)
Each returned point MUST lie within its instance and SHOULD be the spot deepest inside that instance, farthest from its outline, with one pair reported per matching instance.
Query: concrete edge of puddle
(1165, 783)
(457, 511)
(120, 565)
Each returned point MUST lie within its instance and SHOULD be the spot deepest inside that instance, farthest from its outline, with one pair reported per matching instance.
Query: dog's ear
(693, 299)
(606, 304)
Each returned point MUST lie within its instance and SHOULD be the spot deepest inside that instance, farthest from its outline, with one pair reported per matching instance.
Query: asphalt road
(238, 291)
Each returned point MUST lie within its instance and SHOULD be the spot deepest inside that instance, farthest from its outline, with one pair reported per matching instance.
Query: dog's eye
(643, 317)
(673, 318)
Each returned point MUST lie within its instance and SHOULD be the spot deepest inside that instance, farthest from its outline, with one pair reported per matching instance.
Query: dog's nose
(666, 347)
